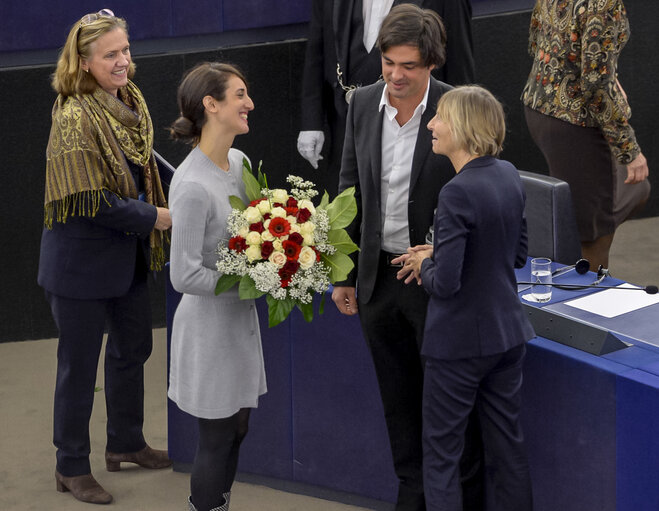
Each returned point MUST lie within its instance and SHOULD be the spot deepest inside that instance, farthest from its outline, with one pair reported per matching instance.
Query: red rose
(287, 271)
(303, 215)
(291, 211)
(317, 253)
(237, 243)
(291, 202)
(266, 249)
(267, 216)
(296, 237)
(291, 249)
(279, 227)
(257, 227)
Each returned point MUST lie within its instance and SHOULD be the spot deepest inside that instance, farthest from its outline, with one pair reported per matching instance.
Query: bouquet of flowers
(284, 247)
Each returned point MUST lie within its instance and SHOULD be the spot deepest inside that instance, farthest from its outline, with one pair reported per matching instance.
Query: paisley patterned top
(575, 46)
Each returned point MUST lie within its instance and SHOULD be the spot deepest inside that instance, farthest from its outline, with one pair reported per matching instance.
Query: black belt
(387, 257)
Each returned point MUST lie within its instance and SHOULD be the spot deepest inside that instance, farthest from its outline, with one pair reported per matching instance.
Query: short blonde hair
(69, 77)
(476, 119)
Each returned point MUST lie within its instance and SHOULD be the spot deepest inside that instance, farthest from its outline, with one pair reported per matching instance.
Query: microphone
(651, 290)
(581, 267)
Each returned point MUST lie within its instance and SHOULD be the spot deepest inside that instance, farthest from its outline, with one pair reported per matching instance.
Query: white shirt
(374, 11)
(398, 143)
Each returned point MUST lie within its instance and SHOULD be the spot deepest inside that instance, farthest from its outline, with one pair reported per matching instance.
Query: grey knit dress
(216, 356)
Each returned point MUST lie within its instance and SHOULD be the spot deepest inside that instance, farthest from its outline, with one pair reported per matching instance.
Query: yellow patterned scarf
(91, 137)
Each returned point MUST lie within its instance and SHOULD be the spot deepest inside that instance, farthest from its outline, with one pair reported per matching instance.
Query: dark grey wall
(274, 74)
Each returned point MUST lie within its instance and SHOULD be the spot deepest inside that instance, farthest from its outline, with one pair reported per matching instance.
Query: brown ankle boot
(147, 458)
(84, 488)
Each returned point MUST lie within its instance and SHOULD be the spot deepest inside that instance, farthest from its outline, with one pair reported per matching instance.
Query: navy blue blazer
(95, 257)
(479, 238)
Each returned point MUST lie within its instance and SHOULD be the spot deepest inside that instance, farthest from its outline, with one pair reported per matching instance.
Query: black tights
(217, 459)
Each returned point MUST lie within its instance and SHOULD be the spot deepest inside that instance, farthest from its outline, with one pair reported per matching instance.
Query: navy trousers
(452, 389)
(81, 325)
(393, 323)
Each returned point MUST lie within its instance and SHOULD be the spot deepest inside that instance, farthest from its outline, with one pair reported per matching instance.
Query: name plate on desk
(572, 333)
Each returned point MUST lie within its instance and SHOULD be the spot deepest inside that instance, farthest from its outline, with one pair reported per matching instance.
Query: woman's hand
(163, 220)
(412, 261)
(637, 170)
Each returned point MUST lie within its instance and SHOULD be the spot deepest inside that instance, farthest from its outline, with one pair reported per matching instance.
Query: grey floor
(27, 376)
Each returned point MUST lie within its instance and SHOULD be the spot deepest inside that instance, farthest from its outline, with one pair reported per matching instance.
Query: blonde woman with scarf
(105, 227)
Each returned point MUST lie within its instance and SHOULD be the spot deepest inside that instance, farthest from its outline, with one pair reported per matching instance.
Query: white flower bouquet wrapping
(285, 247)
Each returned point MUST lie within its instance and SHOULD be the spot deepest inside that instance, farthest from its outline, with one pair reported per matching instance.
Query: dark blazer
(94, 258)
(479, 238)
(361, 168)
(329, 44)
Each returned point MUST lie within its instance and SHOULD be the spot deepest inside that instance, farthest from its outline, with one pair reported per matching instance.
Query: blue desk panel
(590, 422)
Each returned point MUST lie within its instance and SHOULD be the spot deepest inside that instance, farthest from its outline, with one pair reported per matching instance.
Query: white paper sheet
(614, 302)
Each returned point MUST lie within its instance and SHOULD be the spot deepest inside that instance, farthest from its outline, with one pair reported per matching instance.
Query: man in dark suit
(387, 157)
(338, 39)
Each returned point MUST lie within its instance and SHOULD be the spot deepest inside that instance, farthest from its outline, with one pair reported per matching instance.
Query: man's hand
(345, 299)
(309, 145)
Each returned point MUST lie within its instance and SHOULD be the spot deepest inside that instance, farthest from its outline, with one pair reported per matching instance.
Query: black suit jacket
(329, 44)
(361, 168)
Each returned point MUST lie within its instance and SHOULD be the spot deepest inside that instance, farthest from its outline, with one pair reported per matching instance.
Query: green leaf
(321, 307)
(340, 239)
(263, 180)
(247, 289)
(307, 311)
(339, 264)
(278, 310)
(343, 209)
(252, 187)
(324, 202)
(226, 282)
(237, 203)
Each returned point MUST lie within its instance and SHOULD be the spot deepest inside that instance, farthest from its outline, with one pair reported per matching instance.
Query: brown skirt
(581, 157)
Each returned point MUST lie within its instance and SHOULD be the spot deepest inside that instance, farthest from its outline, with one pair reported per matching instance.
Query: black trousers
(81, 325)
(393, 322)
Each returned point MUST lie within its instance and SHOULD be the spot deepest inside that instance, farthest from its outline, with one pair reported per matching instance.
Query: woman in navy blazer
(105, 217)
(475, 332)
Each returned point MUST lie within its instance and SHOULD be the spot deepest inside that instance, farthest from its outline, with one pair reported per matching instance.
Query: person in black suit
(387, 158)
(340, 42)
(105, 217)
(475, 330)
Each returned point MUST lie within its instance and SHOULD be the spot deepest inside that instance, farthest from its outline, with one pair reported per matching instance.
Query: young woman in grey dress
(216, 371)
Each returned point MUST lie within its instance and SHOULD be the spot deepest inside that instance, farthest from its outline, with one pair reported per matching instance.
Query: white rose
(306, 204)
(307, 228)
(278, 212)
(267, 236)
(291, 220)
(308, 239)
(295, 227)
(243, 232)
(279, 195)
(253, 238)
(277, 245)
(252, 215)
(263, 206)
(278, 259)
(307, 258)
(253, 253)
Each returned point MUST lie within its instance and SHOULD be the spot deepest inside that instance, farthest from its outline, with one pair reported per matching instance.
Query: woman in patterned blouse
(578, 114)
